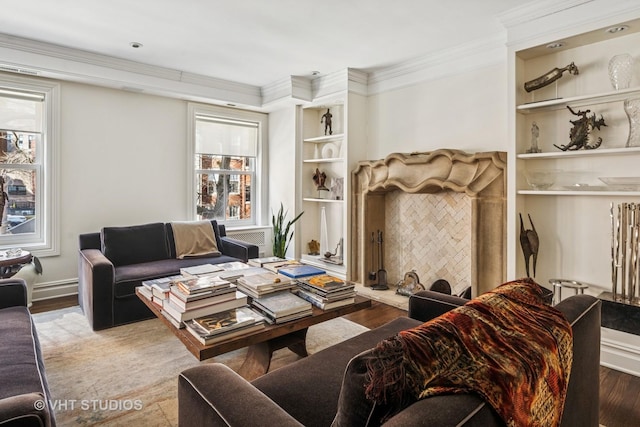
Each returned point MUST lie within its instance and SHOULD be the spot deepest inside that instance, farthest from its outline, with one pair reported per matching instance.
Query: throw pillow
(134, 244)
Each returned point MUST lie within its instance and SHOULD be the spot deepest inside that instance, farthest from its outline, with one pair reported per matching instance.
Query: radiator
(259, 237)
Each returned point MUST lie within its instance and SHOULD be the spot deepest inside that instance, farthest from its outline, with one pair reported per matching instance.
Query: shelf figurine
(581, 131)
(550, 77)
(326, 118)
(535, 133)
(319, 178)
(530, 244)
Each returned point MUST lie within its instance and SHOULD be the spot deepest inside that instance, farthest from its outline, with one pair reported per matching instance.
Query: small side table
(558, 284)
(9, 261)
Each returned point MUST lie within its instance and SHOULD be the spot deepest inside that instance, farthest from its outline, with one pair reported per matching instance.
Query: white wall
(123, 156)
(282, 161)
(122, 162)
(463, 111)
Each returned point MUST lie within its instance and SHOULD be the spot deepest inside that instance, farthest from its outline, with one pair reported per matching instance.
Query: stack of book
(157, 290)
(200, 270)
(280, 307)
(300, 270)
(261, 262)
(326, 291)
(190, 298)
(224, 325)
(261, 284)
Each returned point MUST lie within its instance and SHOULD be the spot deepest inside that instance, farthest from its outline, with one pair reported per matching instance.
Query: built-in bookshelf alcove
(470, 188)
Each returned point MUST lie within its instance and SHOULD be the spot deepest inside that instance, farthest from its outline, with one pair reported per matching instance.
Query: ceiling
(257, 42)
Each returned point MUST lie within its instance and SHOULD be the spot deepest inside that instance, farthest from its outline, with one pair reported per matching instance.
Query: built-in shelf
(608, 193)
(577, 101)
(330, 160)
(324, 138)
(581, 153)
(313, 199)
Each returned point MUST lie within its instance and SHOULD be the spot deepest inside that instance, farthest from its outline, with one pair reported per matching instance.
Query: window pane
(18, 147)
(19, 200)
(205, 161)
(224, 196)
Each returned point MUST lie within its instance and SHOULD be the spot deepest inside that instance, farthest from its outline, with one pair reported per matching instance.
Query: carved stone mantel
(481, 176)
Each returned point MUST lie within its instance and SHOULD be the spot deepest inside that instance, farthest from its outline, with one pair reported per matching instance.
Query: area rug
(128, 375)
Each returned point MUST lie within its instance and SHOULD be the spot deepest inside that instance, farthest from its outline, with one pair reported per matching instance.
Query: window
(227, 154)
(27, 123)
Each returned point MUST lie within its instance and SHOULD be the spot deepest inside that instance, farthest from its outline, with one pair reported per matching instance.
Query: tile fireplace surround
(454, 197)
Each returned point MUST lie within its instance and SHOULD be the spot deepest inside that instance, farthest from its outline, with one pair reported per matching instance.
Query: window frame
(259, 178)
(45, 241)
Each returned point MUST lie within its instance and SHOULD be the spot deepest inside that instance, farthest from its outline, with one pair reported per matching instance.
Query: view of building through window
(20, 140)
(225, 167)
(225, 187)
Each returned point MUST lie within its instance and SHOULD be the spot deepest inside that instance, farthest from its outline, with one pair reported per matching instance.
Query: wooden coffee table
(261, 343)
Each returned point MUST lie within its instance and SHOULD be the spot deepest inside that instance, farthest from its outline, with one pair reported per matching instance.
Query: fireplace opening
(443, 213)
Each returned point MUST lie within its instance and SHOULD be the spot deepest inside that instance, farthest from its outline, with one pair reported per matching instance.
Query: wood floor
(619, 392)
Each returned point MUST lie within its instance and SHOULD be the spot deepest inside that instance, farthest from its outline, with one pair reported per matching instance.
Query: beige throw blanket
(194, 239)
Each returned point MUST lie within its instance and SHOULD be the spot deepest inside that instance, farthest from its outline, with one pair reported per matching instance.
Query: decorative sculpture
(580, 132)
(410, 284)
(326, 118)
(550, 77)
(314, 247)
(535, 133)
(530, 244)
(319, 178)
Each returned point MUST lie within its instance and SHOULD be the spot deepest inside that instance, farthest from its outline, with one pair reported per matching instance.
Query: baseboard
(620, 351)
(57, 289)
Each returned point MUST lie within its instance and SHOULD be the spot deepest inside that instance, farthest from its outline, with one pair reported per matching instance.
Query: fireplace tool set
(625, 252)
(381, 274)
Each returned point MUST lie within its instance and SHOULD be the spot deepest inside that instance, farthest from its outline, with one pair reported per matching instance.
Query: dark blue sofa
(114, 261)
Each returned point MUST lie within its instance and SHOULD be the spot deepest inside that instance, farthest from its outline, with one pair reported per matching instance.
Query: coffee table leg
(259, 355)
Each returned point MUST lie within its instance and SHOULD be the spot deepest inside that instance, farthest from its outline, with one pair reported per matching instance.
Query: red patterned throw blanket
(506, 345)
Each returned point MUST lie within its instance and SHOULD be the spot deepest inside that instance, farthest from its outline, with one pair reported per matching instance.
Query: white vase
(632, 108)
(324, 235)
(621, 71)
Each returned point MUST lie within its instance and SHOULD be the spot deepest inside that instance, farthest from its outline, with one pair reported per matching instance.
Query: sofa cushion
(134, 244)
(21, 369)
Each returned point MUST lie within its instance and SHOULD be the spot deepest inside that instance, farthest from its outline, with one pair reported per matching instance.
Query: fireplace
(442, 213)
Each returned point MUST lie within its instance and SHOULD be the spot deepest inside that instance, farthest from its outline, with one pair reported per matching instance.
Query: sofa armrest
(30, 409)
(214, 395)
(239, 249)
(13, 292)
(426, 305)
(96, 277)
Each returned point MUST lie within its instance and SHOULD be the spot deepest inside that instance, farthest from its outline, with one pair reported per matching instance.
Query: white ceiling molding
(533, 11)
(289, 88)
(526, 29)
(463, 58)
(348, 79)
(85, 67)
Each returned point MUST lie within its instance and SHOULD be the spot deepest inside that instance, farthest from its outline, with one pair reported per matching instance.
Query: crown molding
(286, 89)
(47, 60)
(533, 11)
(531, 26)
(446, 62)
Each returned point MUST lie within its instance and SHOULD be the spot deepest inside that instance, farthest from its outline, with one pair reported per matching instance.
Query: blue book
(297, 271)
